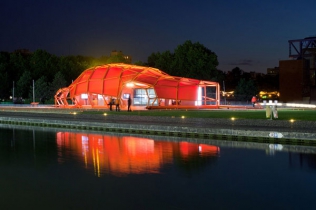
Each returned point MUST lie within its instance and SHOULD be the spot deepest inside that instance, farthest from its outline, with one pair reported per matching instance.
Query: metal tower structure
(304, 49)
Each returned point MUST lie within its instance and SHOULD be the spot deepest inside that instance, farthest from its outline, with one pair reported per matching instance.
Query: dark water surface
(59, 169)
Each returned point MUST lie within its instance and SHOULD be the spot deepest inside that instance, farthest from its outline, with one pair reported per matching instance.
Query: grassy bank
(283, 114)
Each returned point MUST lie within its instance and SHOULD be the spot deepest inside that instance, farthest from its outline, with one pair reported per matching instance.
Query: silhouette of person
(129, 102)
(111, 103)
(253, 101)
(117, 105)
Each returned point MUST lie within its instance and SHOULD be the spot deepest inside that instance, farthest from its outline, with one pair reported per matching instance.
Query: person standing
(117, 105)
(253, 101)
(111, 103)
(129, 102)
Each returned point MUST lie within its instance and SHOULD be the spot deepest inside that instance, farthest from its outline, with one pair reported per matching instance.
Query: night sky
(250, 34)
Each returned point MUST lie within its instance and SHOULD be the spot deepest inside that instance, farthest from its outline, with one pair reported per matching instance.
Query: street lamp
(33, 92)
(13, 93)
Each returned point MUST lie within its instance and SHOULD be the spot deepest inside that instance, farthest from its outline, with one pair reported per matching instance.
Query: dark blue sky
(250, 34)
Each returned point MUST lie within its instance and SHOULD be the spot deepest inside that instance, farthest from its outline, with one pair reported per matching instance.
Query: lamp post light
(33, 92)
(224, 91)
(13, 93)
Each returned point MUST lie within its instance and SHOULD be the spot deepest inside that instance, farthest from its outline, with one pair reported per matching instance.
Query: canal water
(43, 168)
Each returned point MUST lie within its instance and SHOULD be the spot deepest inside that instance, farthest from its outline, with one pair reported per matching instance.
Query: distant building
(297, 76)
(126, 57)
(294, 81)
(273, 71)
(254, 75)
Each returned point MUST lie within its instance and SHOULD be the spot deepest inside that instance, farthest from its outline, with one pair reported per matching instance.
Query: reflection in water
(48, 168)
(121, 155)
(273, 148)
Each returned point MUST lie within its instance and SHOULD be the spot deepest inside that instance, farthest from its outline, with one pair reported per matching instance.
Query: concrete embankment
(265, 131)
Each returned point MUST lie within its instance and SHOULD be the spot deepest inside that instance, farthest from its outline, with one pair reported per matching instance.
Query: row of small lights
(74, 113)
(232, 119)
(291, 120)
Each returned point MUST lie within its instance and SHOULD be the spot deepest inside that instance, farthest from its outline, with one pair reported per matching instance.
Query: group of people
(116, 102)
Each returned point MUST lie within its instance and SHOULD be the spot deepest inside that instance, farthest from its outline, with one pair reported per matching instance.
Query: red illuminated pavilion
(147, 87)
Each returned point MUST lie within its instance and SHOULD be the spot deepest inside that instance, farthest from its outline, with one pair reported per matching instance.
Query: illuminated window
(141, 98)
(126, 95)
(199, 99)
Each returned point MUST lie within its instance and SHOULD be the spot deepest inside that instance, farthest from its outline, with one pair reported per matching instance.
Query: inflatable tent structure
(147, 87)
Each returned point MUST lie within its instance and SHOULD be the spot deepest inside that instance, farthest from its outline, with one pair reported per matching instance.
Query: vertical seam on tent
(88, 80)
(103, 79)
(119, 89)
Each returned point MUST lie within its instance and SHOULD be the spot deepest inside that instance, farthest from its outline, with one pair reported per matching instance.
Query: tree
(4, 75)
(4, 86)
(268, 82)
(116, 59)
(245, 90)
(23, 84)
(72, 66)
(191, 60)
(162, 61)
(43, 63)
(19, 63)
(41, 89)
(218, 76)
(194, 60)
(58, 82)
(232, 78)
(139, 63)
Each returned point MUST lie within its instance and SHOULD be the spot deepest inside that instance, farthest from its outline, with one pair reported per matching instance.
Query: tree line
(19, 69)
(49, 72)
(193, 60)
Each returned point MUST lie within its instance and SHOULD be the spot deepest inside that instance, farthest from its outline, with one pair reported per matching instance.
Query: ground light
(292, 120)
(232, 118)
(105, 114)
(182, 117)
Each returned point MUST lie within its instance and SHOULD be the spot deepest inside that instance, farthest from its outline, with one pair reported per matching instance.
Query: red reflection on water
(188, 149)
(125, 154)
